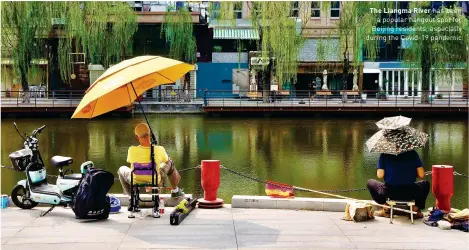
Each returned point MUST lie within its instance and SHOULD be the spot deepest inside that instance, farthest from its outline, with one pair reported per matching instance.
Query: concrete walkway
(227, 228)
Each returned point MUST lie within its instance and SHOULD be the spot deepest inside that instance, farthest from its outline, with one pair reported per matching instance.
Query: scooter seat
(61, 161)
(73, 176)
(46, 188)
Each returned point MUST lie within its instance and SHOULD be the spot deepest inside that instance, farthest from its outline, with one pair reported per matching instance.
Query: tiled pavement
(227, 228)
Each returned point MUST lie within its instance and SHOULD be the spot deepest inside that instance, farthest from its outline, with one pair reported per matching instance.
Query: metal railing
(332, 99)
(216, 98)
(42, 98)
(71, 98)
(171, 95)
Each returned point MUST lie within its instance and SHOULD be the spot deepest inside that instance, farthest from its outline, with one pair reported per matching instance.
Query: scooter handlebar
(41, 128)
(38, 130)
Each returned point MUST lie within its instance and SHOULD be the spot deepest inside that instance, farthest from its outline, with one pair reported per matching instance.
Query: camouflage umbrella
(396, 141)
(393, 122)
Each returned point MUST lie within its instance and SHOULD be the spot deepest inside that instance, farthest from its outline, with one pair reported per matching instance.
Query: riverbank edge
(255, 202)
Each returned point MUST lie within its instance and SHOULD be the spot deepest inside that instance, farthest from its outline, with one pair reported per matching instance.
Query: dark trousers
(418, 192)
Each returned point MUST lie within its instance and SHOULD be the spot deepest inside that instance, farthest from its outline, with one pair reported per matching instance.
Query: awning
(243, 34)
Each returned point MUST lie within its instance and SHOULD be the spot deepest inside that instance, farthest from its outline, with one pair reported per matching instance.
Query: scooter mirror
(18, 131)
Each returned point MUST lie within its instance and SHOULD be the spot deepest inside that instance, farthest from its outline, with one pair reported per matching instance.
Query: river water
(316, 153)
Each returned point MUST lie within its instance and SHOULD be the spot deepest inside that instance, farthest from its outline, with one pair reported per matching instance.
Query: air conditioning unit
(96, 70)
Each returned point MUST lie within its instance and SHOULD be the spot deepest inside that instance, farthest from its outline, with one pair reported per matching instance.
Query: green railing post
(449, 99)
(431, 99)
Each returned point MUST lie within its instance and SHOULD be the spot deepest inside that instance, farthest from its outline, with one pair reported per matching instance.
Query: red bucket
(279, 190)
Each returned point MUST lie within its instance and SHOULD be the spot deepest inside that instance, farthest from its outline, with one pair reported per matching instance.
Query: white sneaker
(156, 214)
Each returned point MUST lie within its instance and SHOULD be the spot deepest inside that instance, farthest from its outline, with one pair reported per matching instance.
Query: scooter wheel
(18, 196)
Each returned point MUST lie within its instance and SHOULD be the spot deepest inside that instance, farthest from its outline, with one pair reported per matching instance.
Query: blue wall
(211, 75)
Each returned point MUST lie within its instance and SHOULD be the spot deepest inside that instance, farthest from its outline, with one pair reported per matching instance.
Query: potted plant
(7, 92)
(439, 96)
(217, 48)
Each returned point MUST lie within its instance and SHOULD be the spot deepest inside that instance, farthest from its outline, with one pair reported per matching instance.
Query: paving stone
(226, 228)
(297, 244)
(155, 242)
(65, 239)
(292, 238)
(411, 245)
(8, 232)
(63, 246)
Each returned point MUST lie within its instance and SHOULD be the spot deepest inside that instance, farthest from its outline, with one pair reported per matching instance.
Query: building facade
(390, 74)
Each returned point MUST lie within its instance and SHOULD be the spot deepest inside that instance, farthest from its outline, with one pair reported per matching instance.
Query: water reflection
(312, 153)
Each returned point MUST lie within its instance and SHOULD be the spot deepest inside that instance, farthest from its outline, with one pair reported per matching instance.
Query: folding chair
(393, 203)
(143, 169)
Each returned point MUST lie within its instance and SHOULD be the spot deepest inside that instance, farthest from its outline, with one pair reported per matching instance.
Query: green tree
(100, 30)
(356, 21)
(24, 27)
(280, 38)
(178, 31)
(437, 47)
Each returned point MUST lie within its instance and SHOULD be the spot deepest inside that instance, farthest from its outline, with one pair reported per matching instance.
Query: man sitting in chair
(400, 173)
(141, 154)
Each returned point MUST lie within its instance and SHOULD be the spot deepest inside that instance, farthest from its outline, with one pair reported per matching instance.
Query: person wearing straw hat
(141, 153)
(399, 165)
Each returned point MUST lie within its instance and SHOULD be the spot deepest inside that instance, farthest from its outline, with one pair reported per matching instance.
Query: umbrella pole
(154, 196)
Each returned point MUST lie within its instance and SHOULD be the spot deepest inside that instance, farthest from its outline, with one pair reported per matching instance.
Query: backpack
(91, 200)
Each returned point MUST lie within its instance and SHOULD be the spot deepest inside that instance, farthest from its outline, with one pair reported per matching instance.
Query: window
(335, 9)
(315, 9)
(238, 10)
(295, 8)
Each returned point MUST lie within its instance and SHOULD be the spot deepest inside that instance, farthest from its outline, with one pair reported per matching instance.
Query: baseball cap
(142, 129)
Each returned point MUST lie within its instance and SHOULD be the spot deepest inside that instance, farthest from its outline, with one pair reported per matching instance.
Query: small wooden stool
(408, 203)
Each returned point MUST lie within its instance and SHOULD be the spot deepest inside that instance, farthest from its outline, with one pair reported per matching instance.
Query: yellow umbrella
(120, 85)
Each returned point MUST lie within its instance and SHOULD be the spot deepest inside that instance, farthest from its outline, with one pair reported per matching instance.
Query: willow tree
(177, 28)
(24, 25)
(440, 43)
(100, 30)
(280, 40)
(356, 22)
